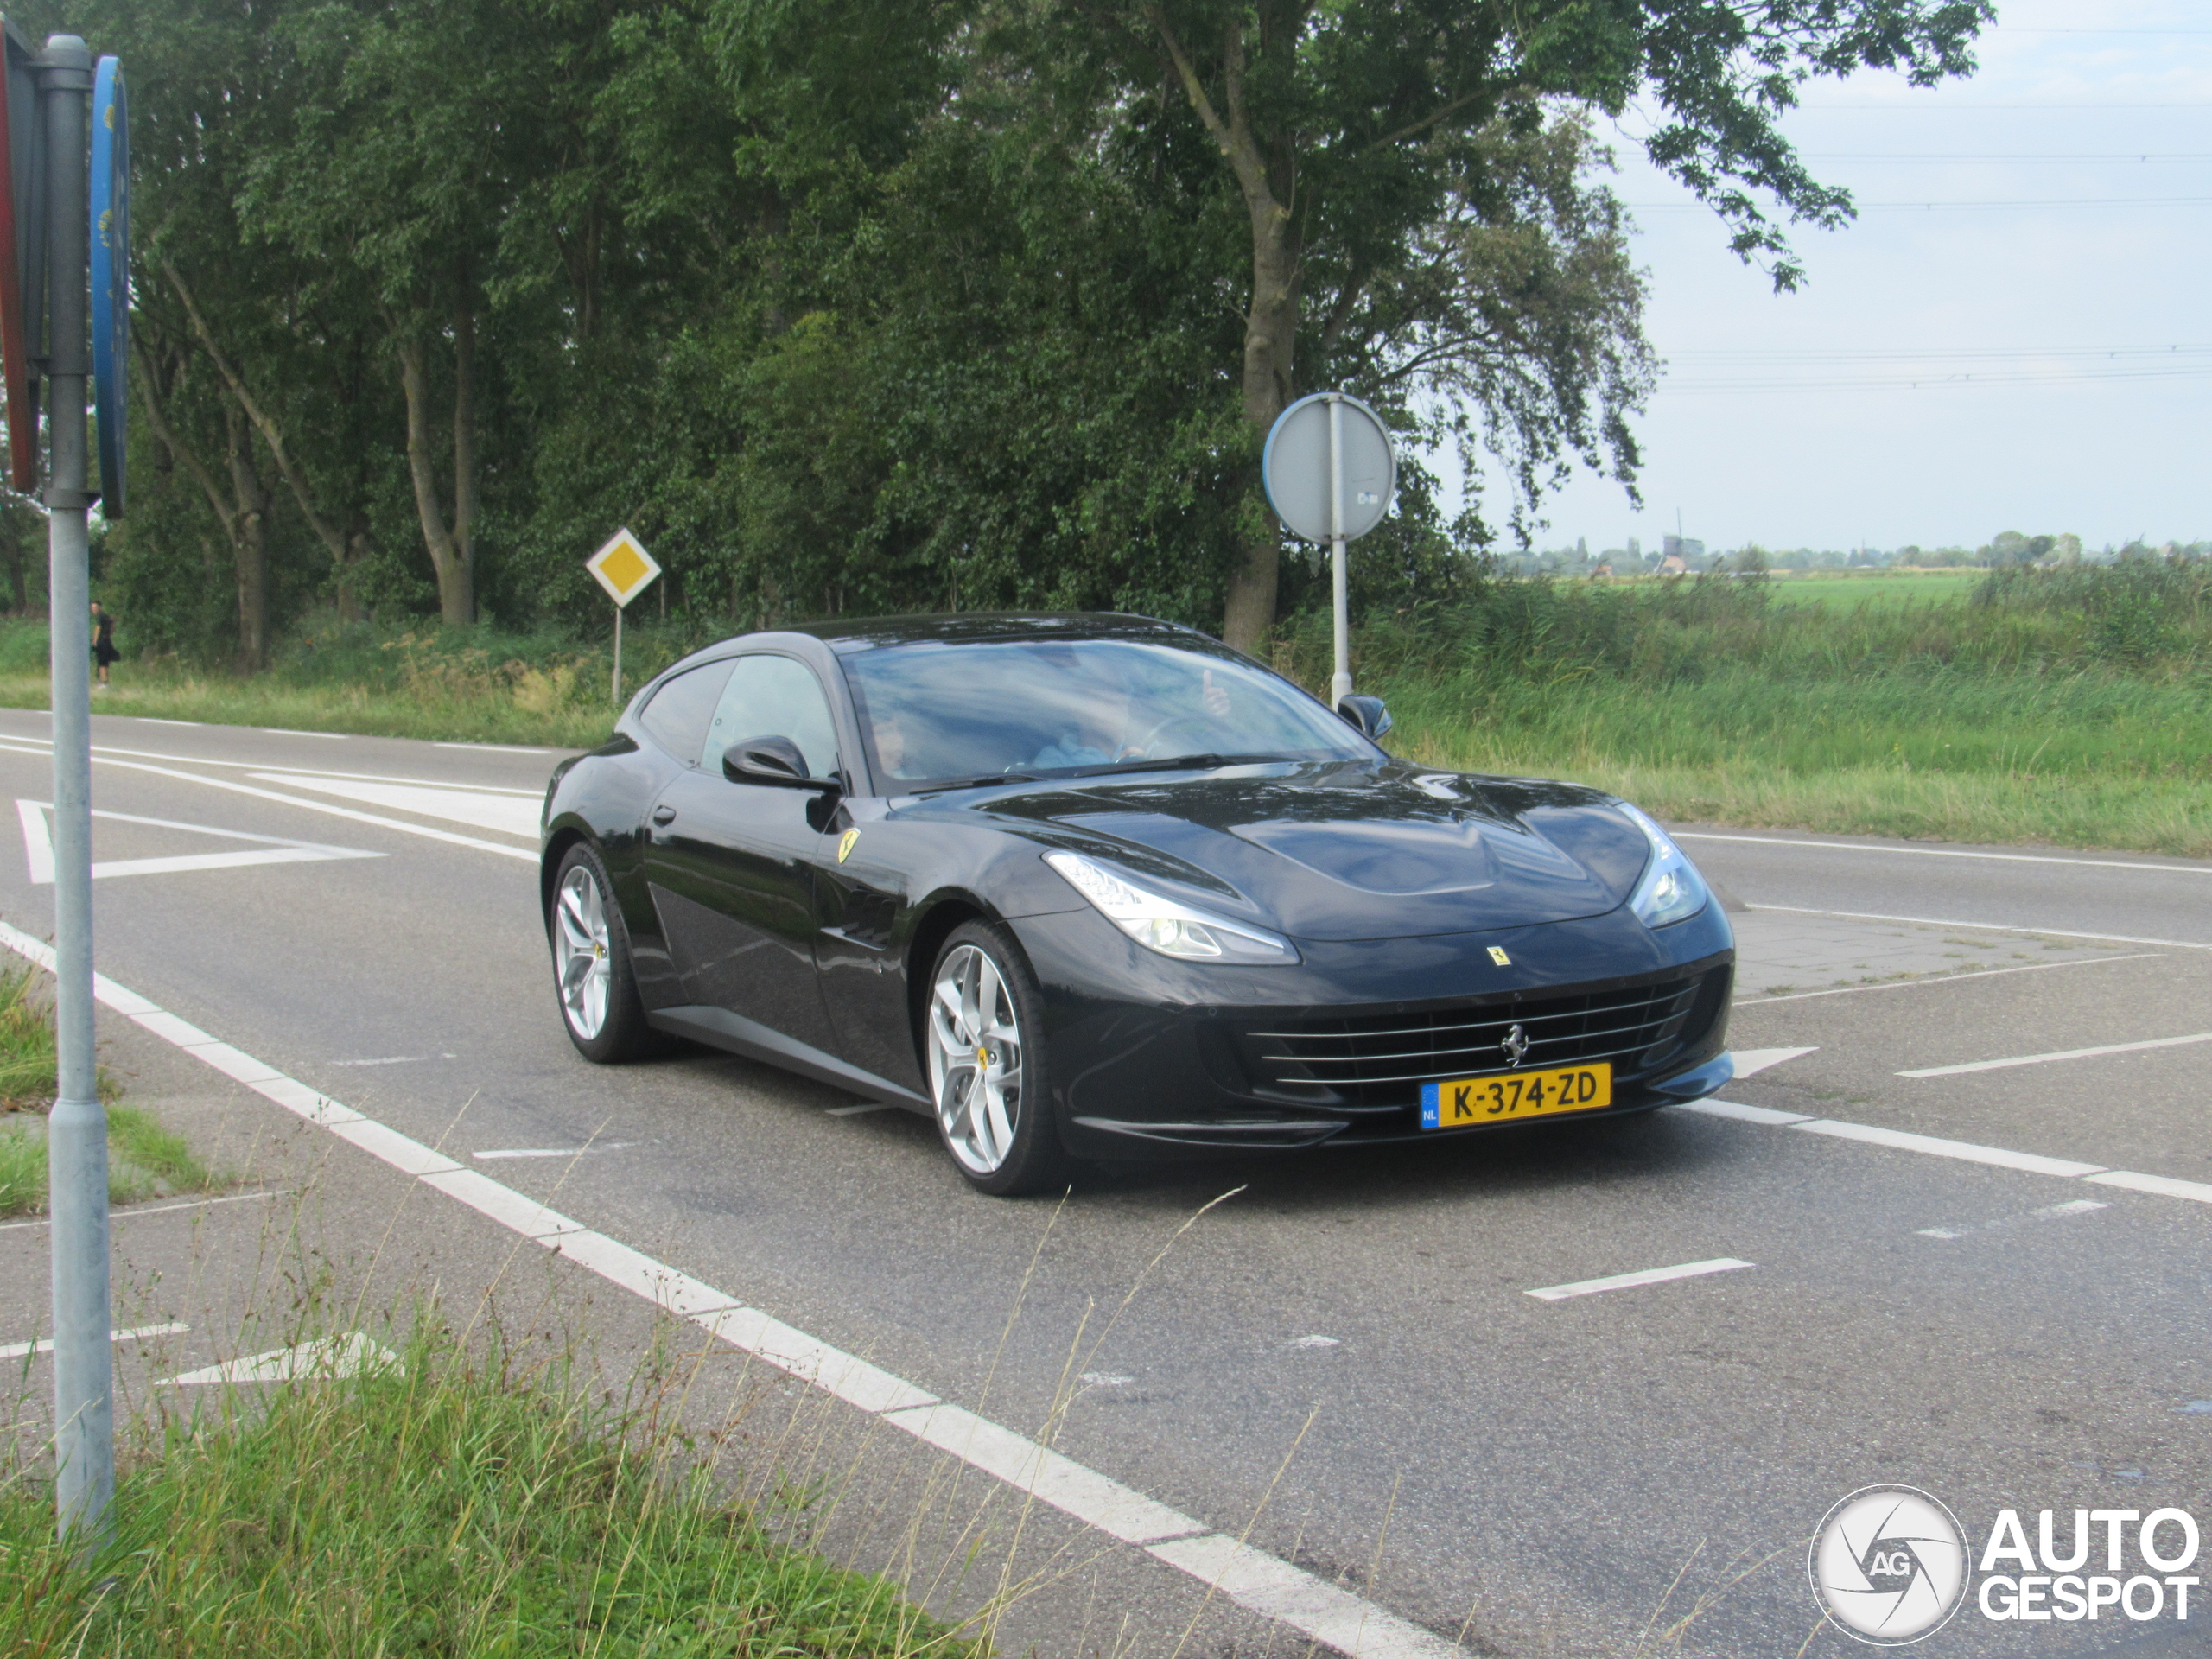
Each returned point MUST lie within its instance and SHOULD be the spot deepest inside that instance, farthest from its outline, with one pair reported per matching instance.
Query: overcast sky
(1794, 420)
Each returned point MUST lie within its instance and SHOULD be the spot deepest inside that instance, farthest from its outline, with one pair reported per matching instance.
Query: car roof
(846, 636)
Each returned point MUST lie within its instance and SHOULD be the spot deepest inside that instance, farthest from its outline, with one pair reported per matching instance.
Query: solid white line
(495, 749)
(1744, 1113)
(1266, 1585)
(45, 1344)
(1630, 1280)
(2165, 1186)
(1946, 852)
(286, 731)
(278, 766)
(552, 1152)
(132, 1212)
(1987, 927)
(447, 835)
(2060, 1054)
(155, 720)
(1915, 984)
(1750, 1062)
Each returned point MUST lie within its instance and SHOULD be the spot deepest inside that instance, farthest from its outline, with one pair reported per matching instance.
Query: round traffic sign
(110, 210)
(1295, 466)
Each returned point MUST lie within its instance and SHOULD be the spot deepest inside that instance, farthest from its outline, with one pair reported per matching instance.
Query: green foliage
(442, 1505)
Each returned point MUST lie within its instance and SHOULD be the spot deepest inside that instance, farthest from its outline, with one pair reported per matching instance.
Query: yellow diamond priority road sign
(623, 568)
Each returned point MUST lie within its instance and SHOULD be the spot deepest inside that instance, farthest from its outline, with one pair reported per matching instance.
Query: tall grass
(2073, 706)
(440, 1504)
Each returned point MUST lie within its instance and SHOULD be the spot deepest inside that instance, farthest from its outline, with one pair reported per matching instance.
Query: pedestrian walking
(104, 651)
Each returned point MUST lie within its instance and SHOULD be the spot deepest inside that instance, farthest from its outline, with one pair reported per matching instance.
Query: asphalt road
(1343, 1361)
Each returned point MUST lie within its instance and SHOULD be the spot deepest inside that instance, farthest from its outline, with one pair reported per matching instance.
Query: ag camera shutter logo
(1889, 1565)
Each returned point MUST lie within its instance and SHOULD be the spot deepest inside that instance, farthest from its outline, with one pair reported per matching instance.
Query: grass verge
(145, 1160)
(441, 1505)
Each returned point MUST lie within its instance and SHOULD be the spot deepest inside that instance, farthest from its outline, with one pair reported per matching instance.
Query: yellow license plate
(1463, 1103)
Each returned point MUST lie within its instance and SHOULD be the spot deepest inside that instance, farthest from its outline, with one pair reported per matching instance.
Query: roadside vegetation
(443, 1503)
(145, 1160)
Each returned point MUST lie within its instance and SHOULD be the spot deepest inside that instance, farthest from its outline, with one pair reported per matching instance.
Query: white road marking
(1631, 1280)
(393, 1059)
(1944, 852)
(496, 748)
(2048, 1212)
(554, 1152)
(1105, 1380)
(286, 731)
(346, 1355)
(422, 830)
(1919, 981)
(108, 749)
(2032, 1163)
(155, 720)
(1989, 927)
(38, 848)
(1265, 1583)
(2058, 1054)
(1751, 1061)
(1317, 1342)
(45, 1344)
(856, 1111)
(481, 808)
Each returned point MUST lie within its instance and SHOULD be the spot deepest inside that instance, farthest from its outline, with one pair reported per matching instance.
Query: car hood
(1349, 850)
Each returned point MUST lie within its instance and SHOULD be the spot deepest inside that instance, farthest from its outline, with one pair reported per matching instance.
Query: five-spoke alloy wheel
(985, 1070)
(591, 961)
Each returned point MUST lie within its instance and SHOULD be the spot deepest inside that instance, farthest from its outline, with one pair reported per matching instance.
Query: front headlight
(1671, 890)
(1163, 924)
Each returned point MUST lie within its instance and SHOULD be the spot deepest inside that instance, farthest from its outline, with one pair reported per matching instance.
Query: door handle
(663, 815)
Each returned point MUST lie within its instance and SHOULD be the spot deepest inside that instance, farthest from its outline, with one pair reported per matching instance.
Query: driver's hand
(1214, 698)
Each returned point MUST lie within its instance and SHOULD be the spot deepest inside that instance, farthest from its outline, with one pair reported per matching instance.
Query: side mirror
(1367, 713)
(772, 760)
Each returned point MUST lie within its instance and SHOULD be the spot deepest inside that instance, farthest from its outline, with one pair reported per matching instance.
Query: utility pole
(83, 1383)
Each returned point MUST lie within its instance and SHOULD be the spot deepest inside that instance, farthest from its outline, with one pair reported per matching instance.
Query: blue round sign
(110, 209)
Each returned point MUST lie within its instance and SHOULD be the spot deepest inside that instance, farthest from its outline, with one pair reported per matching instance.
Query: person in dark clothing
(104, 651)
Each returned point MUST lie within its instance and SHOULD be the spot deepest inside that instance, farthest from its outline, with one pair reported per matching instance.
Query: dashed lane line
(1635, 1281)
(2032, 1163)
(45, 1344)
(2048, 1212)
(1263, 1584)
(2058, 1054)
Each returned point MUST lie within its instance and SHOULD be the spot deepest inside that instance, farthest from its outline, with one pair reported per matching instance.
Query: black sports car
(1102, 887)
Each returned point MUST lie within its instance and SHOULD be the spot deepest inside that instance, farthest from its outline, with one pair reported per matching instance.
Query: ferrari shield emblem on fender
(1497, 955)
(846, 843)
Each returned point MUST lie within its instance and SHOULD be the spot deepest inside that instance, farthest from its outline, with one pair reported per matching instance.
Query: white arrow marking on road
(346, 1355)
(38, 848)
(1749, 1061)
(485, 811)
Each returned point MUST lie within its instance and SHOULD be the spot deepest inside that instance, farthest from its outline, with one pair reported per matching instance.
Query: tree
(1351, 130)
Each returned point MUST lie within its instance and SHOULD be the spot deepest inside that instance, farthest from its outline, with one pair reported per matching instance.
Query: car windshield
(935, 713)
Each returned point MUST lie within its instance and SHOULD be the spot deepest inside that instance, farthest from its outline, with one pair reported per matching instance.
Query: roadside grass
(145, 1160)
(447, 1504)
(2066, 707)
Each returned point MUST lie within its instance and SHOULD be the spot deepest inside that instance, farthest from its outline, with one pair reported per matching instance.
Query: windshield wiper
(981, 780)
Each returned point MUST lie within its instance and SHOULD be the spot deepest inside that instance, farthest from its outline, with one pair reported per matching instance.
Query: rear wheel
(592, 976)
(986, 1065)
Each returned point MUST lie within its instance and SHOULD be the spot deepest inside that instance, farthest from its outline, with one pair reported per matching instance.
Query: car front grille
(1382, 1060)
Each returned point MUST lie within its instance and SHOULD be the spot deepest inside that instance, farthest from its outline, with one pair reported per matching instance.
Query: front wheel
(986, 1065)
(592, 976)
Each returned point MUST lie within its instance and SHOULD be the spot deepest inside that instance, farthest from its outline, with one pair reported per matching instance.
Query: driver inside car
(1101, 727)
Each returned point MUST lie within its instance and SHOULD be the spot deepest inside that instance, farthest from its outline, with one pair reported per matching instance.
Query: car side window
(678, 716)
(774, 696)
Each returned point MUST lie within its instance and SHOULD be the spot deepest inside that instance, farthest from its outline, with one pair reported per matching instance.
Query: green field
(1842, 589)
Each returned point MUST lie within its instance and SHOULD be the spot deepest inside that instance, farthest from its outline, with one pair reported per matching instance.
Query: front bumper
(1154, 1058)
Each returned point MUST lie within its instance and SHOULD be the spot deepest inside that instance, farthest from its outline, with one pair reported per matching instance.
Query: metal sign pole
(617, 651)
(83, 1400)
(1340, 685)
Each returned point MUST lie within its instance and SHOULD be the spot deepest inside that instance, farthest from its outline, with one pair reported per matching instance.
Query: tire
(593, 984)
(993, 1113)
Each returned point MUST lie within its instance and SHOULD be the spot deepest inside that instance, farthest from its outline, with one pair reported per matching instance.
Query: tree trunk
(1264, 176)
(452, 554)
(250, 545)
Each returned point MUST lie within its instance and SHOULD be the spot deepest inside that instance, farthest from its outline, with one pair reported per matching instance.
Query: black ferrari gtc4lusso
(1102, 887)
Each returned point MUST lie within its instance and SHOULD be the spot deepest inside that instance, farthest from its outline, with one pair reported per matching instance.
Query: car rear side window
(677, 717)
(774, 696)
